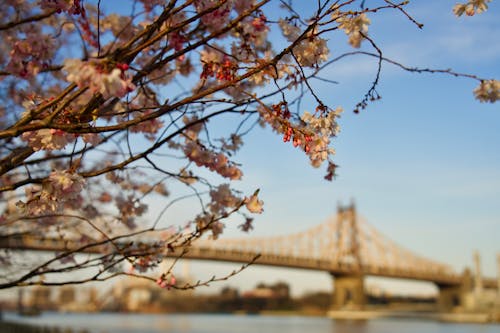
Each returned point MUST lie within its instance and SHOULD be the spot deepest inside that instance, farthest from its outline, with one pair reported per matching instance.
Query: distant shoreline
(477, 318)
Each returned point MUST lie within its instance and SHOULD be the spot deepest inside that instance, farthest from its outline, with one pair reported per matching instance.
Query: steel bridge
(346, 247)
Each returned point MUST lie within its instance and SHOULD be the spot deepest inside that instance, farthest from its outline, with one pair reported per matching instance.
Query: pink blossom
(148, 127)
(164, 282)
(247, 226)
(65, 185)
(129, 208)
(222, 198)
(241, 5)
(142, 264)
(217, 18)
(92, 138)
(149, 4)
(31, 54)
(47, 139)
(217, 228)
(62, 187)
(215, 162)
(58, 5)
(70, 6)
(91, 74)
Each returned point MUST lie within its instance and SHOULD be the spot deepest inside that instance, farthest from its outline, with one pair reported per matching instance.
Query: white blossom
(471, 8)
(253, 204)
(355, 27)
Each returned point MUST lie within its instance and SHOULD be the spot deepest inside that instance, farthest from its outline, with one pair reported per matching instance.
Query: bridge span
(345, 247)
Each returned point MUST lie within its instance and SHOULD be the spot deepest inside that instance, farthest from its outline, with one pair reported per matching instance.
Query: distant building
(66, 295)
(267, 297)
(40, 298)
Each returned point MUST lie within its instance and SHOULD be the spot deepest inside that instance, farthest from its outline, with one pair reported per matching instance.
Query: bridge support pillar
(450, 298)
(455, 297)
(348, 292)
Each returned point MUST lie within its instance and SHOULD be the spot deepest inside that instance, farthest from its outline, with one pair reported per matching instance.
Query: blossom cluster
(222, 200)
(31, 54)
(165, 282)
(222, 197)
(354, 26)
(70, 6)
(252, 33)
(55, 139)
(471, 7)
(324, 126)
(128, 208)
(253, 204)
(311, 50)
(110, 83)
(217, 162)
(217, 65)
(61, 188)
(146, 262)
(312, 133)
(202, 156)
(149, 4)
(488, 91)
(218, 12)
(47, 139)
(148, 127)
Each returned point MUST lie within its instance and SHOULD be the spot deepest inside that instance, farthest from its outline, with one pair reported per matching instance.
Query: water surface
(221, 323)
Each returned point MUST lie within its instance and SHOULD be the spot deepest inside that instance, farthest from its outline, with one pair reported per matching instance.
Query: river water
(220, 323)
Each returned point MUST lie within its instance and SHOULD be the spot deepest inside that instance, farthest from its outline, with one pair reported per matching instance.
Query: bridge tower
(478, 279)
(452, 296)
(348, 291)
(498, 276)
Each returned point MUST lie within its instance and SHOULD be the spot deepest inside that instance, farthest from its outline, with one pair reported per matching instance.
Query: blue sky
(422, 164)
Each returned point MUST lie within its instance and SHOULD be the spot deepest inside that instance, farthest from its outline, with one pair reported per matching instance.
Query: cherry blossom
(216, 18)
(70, 6)
(471, 7)
(61, 187)
(217, 162)
(311, 50)
(98, 79)
(148, 127)
(47, 139)
(217, 228)
(129, 208)
(312, 133)
(30, 54)
(91, 138)
(488, 91)
(166, 282)
(247, 226)
(64, 184)
(253, 204)
(222, 198)
(289, 30)
(354, 26)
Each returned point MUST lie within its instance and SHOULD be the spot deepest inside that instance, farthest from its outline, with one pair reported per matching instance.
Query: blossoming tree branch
(105, 113)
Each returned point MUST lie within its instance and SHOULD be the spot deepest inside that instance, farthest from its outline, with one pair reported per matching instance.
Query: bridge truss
(344, 244)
